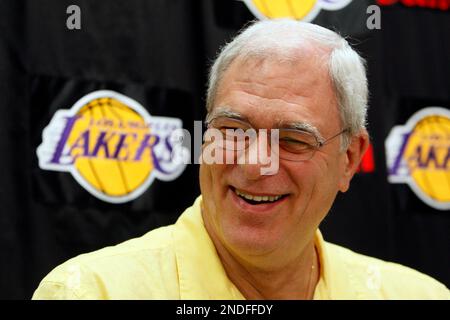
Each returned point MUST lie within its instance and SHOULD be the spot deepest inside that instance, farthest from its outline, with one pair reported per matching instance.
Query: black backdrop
(157, 52)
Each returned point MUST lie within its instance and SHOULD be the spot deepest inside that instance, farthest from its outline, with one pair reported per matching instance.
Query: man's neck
(294, 280)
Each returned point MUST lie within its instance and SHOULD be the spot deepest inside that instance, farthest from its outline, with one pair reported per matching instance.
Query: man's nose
(251, 160)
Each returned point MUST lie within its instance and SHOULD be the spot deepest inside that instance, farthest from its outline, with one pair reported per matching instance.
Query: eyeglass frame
(319, 140)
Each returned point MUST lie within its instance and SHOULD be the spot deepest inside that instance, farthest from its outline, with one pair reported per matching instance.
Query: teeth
(257, 198)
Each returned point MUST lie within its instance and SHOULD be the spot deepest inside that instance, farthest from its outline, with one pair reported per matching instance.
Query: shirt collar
(200, 271)
(334, 283)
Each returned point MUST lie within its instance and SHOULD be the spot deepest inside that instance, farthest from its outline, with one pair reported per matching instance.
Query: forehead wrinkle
(263, 69)
(283, 93)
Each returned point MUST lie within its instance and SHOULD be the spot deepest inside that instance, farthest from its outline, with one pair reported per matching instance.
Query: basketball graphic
(419, 154)
(111, 145)
(305, 10)
(427, 157)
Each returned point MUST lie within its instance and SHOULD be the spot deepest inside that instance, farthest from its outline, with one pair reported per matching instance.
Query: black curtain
(158, 52)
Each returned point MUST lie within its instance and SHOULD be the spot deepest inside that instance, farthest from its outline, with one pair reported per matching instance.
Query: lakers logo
(111, 145)
(305, 10)
(418, 154)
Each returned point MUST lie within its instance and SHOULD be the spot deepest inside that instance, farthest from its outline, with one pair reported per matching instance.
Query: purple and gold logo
(111, 146)
(418, 154)
(305, 10)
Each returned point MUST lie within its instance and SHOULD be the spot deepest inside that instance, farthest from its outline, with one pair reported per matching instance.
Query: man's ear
(353, 156)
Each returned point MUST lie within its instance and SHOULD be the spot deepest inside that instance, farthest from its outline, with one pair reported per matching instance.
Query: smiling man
(254, 233)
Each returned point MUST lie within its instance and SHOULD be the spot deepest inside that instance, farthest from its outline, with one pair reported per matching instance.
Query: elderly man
(253, 234)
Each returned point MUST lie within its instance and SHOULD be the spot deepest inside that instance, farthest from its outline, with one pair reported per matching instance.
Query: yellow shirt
(180, 262)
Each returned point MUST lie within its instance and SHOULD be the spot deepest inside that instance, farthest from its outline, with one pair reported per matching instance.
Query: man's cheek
(210, 181)
(205, 178)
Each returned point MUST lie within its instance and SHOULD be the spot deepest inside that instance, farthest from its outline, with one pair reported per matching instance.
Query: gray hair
(282, 38)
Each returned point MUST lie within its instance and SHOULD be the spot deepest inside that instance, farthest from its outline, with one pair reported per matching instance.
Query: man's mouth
(258, 199)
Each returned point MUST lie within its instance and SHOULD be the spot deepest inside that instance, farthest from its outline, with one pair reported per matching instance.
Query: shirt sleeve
(69, 282)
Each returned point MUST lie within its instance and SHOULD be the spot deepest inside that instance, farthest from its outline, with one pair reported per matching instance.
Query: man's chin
(246, 241)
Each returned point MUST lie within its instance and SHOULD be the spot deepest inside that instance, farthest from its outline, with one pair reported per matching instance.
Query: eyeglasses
(294, 144)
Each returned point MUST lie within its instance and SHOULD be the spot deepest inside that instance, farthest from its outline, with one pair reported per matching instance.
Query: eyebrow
(225, 111)
(302, 126)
